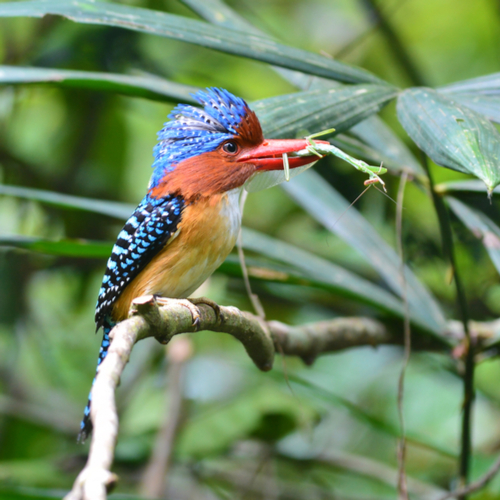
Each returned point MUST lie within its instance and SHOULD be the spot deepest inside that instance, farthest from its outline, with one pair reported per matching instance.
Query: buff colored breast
(207, 233)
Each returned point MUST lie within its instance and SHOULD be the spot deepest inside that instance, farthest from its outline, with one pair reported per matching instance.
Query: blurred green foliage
(326, 431)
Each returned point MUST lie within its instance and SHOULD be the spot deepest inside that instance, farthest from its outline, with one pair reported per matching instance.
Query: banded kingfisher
(190, 218)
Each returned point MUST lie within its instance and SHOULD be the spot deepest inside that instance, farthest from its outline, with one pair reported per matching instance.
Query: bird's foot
(195, 312)
(192, 304)
(203, 300)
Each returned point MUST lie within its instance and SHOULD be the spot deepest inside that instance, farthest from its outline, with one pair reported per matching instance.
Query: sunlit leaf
(150, 87)
(481, 94)
(110, 208)
(452, 135)
(329, 208)
(481, 226)
(193, 31)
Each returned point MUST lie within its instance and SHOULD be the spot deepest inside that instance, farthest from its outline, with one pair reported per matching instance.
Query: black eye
(230, 147)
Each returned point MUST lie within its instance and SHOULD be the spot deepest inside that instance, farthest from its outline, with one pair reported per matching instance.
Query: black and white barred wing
(143, 236)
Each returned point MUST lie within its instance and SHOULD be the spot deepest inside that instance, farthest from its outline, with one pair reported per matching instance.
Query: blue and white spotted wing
(149, 228)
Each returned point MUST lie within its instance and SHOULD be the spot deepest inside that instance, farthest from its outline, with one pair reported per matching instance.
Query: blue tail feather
(86, 423)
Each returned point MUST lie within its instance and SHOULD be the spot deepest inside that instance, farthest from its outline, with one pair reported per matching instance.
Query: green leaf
(469, 185)
(286, 115)
(451, 134)
(26, 493)
(331, 210)
(153, 22)
(391, 150)
(62, 248)
(314, 110)
(218, 13)
(149, 87)
(483, 85)
(29, 493)
(488, 106)
(111, 208)
(30, 472)
(361, 414)
(322, 272)
(480, 94)
(214, 431)
(261, 269)
(373, 156)
(481, 226)
(306, 269)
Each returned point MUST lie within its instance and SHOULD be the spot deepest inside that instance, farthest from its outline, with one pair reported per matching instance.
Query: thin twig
(402, 485)
(475, 485)
(254, 298)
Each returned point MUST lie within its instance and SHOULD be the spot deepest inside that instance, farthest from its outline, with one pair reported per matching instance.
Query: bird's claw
(217, 310)
(192, 304)
(195, 312)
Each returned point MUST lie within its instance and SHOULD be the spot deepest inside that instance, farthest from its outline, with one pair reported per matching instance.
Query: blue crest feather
(194, 131)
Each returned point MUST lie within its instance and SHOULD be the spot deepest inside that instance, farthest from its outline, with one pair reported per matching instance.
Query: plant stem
(402, 479)
(396, 46)
(468, 376)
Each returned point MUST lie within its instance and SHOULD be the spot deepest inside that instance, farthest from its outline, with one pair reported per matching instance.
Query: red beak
(269, 154)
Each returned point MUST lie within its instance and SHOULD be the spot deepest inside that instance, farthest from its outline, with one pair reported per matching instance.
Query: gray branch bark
(260, 339)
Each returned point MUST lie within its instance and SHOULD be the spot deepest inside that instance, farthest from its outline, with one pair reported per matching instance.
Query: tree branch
(148, 319)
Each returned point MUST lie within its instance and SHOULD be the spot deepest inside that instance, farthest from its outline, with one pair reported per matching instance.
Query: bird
(190, 218)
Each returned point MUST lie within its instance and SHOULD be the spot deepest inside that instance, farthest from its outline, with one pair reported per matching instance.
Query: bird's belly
(189, 273)
(207, 233)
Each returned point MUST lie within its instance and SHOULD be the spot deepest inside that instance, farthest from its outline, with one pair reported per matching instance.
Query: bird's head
(210, 150)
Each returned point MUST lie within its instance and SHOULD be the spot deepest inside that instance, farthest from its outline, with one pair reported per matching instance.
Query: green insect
(326, 149)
